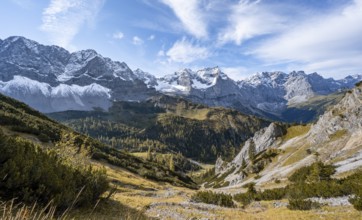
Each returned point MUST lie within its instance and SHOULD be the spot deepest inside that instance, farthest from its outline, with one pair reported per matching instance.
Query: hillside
(165, 124)
(334, 139)
(31, 142)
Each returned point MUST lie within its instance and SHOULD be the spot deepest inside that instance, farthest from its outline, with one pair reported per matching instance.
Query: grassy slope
(18, 119)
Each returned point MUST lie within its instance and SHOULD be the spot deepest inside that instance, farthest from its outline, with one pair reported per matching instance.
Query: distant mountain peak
(81, 80)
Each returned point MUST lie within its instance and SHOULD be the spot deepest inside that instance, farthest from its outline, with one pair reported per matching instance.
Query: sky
(242, 37)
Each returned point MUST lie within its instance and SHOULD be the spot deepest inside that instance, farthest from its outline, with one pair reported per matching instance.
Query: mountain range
(51, 79)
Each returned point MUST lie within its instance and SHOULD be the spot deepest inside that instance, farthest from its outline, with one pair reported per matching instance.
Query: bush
(245, 198)
(357, 203)
(299, 204)
(271, 194)
(267, 195)
(210, 197)
(313, 173)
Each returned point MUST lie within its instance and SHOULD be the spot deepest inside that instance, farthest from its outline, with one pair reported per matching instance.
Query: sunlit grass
(295, 131)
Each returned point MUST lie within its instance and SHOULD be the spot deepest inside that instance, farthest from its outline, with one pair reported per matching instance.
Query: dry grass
(270, 213)
(198, 114)
(296, 154)
(19, 211)
(109, 210)
(142, 155)
(337, 135)
(295, 131)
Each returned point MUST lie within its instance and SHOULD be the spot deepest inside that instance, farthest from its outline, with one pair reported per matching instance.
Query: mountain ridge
(56, 67)
(53, 77)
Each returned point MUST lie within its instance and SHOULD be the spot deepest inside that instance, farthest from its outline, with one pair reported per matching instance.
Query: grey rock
(50, 79)
(265, 94)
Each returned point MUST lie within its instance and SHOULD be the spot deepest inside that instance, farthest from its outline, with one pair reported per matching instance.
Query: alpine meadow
(172, 110)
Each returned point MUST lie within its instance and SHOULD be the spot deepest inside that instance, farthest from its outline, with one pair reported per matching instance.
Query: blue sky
(162, 36)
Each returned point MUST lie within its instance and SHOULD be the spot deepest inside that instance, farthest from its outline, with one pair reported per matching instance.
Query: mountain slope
(273, 95)
(334, 139)
(49, 78)
(18, 119)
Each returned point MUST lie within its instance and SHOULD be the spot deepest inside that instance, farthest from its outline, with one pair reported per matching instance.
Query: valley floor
(163, 201)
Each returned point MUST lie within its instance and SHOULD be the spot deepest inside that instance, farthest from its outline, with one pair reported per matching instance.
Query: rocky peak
(41, 75)
(272, 79)
(262, 140)
(297, 74)
(350, 80)
(149, 79)
(346, 116)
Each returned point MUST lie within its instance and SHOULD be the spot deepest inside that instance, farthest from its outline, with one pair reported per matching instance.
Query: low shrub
(210, 197)
(299, 204)
(357, 202)
(245, 198)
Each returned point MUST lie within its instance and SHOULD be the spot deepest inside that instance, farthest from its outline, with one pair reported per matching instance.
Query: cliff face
(262, 140)
(345, 116)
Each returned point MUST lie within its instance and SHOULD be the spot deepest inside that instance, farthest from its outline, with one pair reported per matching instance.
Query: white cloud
(326, 43)
(185, 52)
(151, 37)
(250, 19)
(137, 40)
(118, 35)
(62, 19)
(161, 53)
(190, 15)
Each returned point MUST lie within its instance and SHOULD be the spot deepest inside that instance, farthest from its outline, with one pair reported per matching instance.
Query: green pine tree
(172, 164)
(252, 152)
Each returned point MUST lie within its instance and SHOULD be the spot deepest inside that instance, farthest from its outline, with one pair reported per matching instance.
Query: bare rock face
(262, 140)
(344, 117)
(265, 94)
(50, 79)
(219, 165)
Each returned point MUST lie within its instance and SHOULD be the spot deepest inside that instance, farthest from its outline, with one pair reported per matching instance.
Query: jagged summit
(86, 78)
(266, 94)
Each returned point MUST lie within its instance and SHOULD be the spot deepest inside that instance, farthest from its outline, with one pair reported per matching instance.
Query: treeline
(311, 181)
(167, 124)
(198, 139)
(175, 160)
(31, 174)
